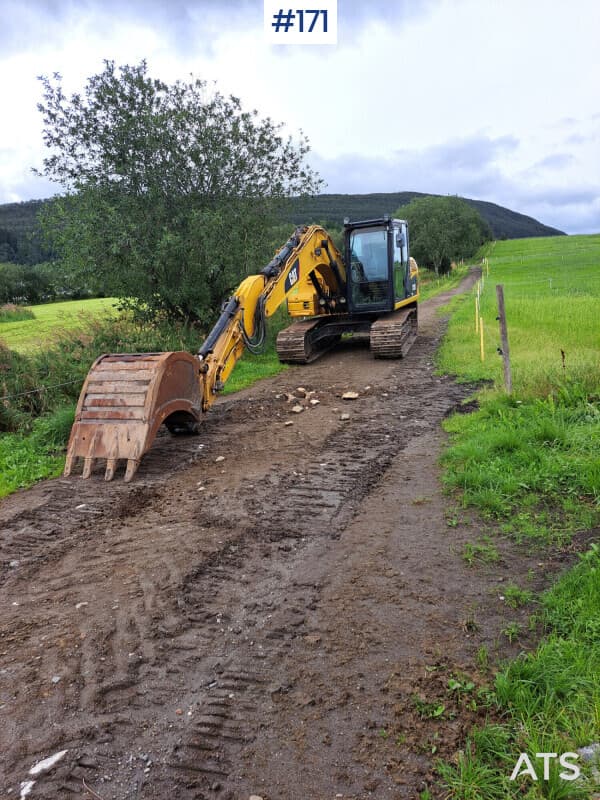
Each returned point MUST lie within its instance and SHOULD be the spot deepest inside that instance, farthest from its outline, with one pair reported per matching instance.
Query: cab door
(400, 260)
(368, 262)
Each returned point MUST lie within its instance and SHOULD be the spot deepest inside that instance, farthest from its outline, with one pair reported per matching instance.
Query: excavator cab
(378, 268)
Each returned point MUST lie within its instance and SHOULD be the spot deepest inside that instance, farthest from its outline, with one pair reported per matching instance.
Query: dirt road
(282, 622)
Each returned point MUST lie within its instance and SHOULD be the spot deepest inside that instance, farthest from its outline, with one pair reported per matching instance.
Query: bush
(168, 188)
(12, 313)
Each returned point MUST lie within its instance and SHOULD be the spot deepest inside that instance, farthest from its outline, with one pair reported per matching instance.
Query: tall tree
(168, 188)
(442, 230)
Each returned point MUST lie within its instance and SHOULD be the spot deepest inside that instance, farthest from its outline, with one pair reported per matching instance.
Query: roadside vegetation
(13, 313)
(39, 387)
(529, 463)
(431, 284)
(46, 282)
(43, 369)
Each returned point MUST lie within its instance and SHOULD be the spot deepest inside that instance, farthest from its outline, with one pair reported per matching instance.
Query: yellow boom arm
(308, 266)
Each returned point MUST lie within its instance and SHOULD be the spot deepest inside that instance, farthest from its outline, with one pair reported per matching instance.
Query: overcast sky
(497, 100)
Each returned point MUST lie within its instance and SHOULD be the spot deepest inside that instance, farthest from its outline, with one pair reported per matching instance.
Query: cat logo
(293, 276)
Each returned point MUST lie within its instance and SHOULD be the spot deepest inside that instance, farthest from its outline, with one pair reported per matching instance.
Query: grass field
(551, 290)
(25, 459)
(530, 463)
(530, 460)
(49, 320)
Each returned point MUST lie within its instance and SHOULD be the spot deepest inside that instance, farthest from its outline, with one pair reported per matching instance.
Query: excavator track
(304, 342)
(392, 336)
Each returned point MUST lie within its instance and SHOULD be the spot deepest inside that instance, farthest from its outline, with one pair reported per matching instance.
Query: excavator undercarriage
(389, 337)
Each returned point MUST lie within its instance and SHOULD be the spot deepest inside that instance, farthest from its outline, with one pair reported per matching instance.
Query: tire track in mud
(165, 615)
(309, 509)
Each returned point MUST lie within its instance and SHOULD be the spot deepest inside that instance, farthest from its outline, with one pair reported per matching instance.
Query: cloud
(443, 96)
(192, 26)
(355, 16)
(472, 167)
(469, 163)
(577, 138)
(20, 184)
(556, 196)
(555, 161)
(572, 217)
(473, 152)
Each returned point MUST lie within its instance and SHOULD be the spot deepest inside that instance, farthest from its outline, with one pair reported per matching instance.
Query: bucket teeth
(87, 467)
(111, 465)
(132, 466)
(68, 466)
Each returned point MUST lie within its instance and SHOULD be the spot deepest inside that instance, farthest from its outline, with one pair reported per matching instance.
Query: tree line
(28, 284)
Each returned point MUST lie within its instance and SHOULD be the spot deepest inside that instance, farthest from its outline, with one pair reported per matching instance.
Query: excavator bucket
(124, 401)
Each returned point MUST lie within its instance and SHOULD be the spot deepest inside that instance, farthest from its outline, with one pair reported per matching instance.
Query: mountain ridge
(18, 223)
(332, 208)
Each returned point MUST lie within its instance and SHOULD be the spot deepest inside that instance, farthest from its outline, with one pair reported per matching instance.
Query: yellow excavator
(372, 288)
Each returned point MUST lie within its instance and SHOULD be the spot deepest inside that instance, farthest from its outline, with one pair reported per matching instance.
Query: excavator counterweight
(370, 289)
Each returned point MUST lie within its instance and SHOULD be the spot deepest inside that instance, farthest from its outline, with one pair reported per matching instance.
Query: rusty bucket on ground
(124, 401)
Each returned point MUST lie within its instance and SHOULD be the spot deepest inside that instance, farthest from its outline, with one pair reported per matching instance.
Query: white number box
(295, 23)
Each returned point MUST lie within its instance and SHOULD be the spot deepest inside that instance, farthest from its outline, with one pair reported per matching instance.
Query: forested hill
(19, 236)
(19, 242)
(332, 208)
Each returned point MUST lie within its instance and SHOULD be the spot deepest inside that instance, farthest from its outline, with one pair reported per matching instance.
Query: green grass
(515, 597)
(483, 551)
(251, 369)
(27, 458)
(51, 320)
(530, 462)
(551, 290)
(549, 699)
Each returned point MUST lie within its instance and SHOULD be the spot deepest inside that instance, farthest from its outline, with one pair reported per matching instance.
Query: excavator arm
(127, 397)
(309, 256)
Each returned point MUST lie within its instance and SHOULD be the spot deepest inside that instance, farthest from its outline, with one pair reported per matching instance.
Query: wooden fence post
(504, 338)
